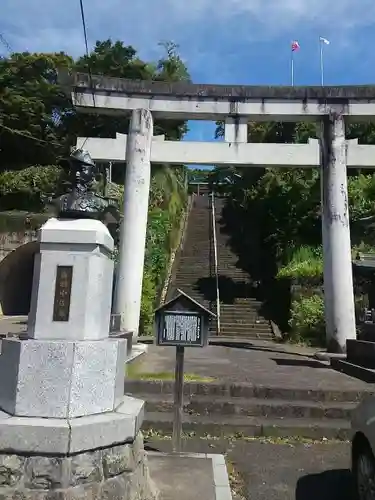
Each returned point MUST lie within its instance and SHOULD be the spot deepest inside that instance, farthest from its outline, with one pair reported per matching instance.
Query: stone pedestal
(74, 379)
(72, 288)
(66, 429)
(115, 472)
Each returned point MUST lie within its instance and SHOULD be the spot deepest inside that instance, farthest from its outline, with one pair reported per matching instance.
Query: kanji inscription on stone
(63, 289)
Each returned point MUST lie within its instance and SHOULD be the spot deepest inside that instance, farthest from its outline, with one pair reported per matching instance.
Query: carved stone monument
(66, 429)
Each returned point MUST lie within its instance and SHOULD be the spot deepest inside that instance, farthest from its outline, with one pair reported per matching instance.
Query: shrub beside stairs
(194, 273)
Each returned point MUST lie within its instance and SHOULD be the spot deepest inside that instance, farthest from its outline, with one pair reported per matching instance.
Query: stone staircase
(249, 410)
(194, 273)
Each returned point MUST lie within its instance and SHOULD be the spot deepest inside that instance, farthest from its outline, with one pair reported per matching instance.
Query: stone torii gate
(332, 107)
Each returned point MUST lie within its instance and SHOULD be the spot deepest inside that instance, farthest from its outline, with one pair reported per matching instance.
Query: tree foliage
(38, 122)
(30, 101)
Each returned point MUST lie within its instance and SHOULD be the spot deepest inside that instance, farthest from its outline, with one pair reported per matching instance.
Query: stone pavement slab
(190, 476)
(263, 363)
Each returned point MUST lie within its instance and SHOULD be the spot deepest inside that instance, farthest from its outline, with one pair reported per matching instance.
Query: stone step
(200, 234)
(242, 326)
(193, 264)
(249, 330)
(235, 309)
(250, 426)
(193, 281)
(196, 267)
(354, 370)
(248, 319)
(242, 304)
(205, 271)
(252, 407)
(244, 316)
(245, 390)
(361, 352)
(248, 335)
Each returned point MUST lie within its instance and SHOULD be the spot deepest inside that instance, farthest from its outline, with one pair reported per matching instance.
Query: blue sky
(221, 41)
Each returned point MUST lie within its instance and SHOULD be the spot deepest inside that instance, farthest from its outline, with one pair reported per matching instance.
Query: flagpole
(294, 46)
(321, 64)
(292, 68)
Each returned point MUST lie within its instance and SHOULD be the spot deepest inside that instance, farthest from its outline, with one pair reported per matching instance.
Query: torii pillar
(128, 288)
(338, 275)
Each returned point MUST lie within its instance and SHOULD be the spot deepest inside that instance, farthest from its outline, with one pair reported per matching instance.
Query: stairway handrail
(215, 262)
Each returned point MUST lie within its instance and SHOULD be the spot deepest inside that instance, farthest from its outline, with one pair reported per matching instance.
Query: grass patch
(237, 484)
(134, 373)
(238, 436)
(303, 262)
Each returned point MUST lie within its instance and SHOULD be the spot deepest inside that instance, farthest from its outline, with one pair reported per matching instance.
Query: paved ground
(260, 363)
(15, 324)
(300, 472)
(282, 471)
(183, 478)
(267, 471)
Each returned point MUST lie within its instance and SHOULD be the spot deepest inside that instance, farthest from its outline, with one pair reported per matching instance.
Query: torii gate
(236, 105)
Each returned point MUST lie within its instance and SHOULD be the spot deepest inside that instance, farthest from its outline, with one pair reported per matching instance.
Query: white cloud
(199, 26)
(40, 24)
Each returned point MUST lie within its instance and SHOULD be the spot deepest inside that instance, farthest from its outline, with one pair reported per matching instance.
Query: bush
(28, 189)
(305, 263)
(307, 321)
(147, 304)
(159, 245)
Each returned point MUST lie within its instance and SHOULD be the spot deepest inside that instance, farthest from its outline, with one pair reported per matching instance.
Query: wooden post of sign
(178, 398)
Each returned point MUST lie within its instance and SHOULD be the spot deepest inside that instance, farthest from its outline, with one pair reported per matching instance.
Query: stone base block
(111, 473)
(59, 437)
(61, 379)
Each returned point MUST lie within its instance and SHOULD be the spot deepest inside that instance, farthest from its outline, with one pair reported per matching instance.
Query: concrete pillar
(235, 129)
(338, 278)
(128, 289)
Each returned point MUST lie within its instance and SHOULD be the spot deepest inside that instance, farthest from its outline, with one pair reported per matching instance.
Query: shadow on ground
(230, 290)
(310, 363)
(329, 485)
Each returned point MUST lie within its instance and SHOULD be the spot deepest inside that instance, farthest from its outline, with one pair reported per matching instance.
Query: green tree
(37, 120)
(31, 106)
(114, 59)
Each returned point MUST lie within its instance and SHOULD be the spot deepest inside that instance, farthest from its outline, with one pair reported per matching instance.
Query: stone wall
(119, 472)
(10, 241)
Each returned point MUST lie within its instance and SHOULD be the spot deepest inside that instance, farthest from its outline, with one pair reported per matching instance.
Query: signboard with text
(182, 322)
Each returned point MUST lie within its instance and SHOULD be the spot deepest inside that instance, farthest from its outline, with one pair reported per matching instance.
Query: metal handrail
(215, 262)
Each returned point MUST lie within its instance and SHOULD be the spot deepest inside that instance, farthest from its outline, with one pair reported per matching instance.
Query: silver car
(363, 448)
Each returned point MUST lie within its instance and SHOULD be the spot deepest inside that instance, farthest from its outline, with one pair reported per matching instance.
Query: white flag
(324, 40)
